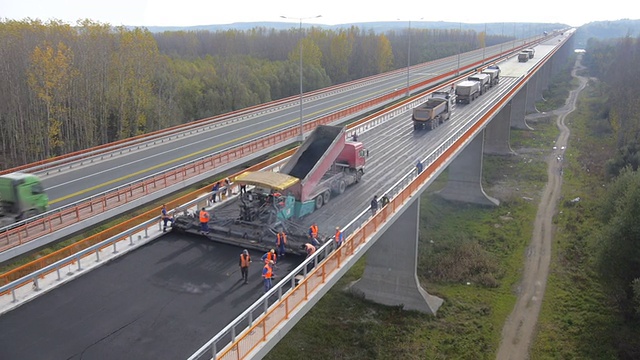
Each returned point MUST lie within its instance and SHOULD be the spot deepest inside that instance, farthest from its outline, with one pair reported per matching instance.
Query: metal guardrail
(57, 219)
(360, 222)
(263, 317)
(51, 221)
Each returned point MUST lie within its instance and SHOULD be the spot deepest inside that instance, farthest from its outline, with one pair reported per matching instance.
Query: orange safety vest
(269, 273)
(204, 216)
(271, 256)
(337, 237)
(245, 260)
(314, 231)
(283, 237)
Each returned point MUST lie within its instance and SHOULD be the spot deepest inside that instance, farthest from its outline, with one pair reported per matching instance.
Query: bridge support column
(498, 133)
(532, 94)
(390, 276)
(517, 110)
(465, 176)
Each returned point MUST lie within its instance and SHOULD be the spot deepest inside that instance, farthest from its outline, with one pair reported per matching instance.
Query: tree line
(617, 244)
(71, 87)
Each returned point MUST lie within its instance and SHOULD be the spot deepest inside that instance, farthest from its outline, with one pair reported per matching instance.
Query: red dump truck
(434, 112)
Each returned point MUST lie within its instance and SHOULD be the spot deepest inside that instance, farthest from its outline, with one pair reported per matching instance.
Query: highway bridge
(171, 295)
(94, 185)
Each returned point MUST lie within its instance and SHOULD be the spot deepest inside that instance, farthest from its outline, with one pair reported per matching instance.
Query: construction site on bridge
(270, 202)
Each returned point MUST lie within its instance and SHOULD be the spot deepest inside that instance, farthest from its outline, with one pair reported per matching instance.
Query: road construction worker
(267, 274)
(338, 237)
(245, 260)
(281, 241)
(384, 201)
(270, 255)
(165, 218)
(313, 231)
(374, 205)
(214, 191)
(204, 221)
(310, 249)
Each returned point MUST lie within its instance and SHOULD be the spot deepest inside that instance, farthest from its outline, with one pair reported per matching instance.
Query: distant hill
(606, 30)
(506, 29)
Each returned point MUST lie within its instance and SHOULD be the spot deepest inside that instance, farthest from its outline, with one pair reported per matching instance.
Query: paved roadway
(79, 183)
(169, 297)
(162, 301)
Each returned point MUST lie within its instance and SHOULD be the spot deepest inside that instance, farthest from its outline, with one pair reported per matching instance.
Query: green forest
(615, 243)
(71, 87)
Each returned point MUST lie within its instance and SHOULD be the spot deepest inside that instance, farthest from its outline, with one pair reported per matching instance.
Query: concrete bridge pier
(532, 93)
(465, 176)
(518, 104)
(390, 276)
(498, 133)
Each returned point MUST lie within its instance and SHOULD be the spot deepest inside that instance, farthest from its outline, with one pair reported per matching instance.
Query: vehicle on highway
(523, 56)
(435, 111)
(467, 91)
(21, 196)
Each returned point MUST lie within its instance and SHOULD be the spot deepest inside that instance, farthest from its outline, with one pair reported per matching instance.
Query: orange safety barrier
(48, 226)
(123, 226)
(249, 340)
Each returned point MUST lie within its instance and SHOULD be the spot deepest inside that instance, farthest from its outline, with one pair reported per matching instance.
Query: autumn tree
(50, 77)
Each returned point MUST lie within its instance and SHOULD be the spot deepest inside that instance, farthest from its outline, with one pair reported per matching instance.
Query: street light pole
(300, 74)
(409, 59)
(459, 48)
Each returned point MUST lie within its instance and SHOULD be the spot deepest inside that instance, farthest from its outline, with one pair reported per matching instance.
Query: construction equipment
(323, 166)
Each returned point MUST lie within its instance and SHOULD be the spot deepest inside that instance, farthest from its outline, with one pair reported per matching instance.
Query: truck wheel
(326, 196)
(341, 187)
(319, 201)
(359, 174)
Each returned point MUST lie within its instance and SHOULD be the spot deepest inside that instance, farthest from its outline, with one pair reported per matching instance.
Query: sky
(333, 12)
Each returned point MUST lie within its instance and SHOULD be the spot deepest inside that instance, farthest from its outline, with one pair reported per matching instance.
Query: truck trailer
(483, 79)
(523, 56)
(435, 111)
(322, 167)
(21, 196)
(530, 52)
(467, 91)
(494, 74)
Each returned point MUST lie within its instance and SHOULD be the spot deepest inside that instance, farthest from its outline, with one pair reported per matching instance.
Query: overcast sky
(199, 12)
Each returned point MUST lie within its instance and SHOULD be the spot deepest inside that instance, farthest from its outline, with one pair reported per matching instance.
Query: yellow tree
(49, 77)
(133, 66)
(340, 51)
(384, 55)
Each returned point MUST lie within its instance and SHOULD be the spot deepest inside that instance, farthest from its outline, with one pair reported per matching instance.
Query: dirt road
(519, 329)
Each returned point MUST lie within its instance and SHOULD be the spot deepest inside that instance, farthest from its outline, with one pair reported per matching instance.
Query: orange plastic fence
(249, 340)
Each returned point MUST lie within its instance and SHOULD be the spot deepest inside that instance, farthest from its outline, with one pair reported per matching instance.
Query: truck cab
(22, 196)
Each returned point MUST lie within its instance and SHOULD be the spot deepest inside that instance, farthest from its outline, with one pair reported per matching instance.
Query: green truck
(21, 197)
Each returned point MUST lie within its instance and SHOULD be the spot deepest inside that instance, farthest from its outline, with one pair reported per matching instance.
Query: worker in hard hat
(338, 237)
(267, 274)
(270, 255)
(245, 260)
(281, 242)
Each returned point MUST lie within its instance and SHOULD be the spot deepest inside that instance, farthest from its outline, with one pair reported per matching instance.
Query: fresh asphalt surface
(161, 301)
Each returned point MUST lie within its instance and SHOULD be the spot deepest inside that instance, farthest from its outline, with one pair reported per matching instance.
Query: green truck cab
(21, 197)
